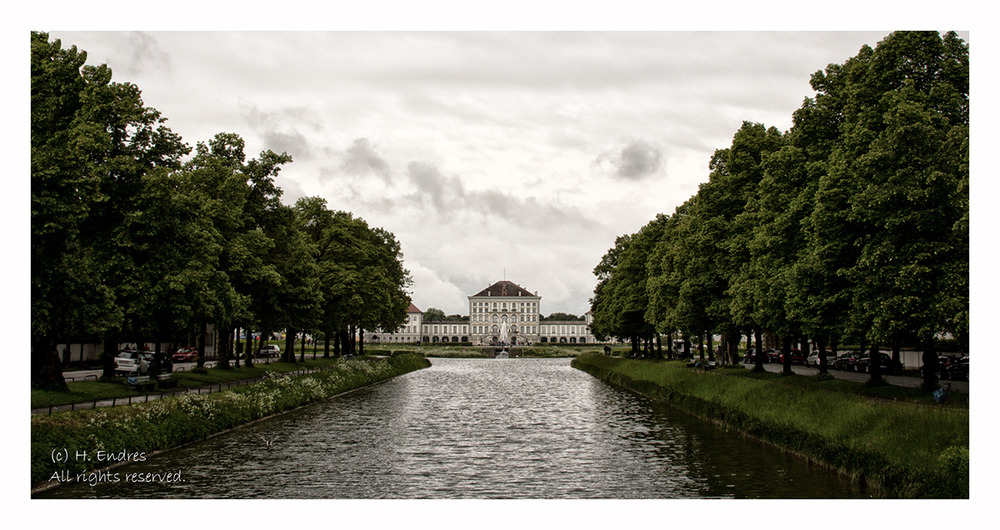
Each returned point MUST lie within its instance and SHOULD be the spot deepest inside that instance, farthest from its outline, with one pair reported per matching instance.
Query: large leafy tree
(718, 242)
(92, 143)
(892, 207)
(621, 300)
(666, 273)
(361, 282)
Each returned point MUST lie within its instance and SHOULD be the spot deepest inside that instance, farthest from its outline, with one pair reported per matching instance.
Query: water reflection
(481, 428)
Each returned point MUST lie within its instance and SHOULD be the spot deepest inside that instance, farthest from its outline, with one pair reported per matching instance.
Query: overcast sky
(489, 153)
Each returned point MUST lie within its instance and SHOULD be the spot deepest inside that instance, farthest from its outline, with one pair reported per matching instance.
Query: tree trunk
(361, 341)
(289, 355)
(930, 367)
(302, 348)
(251, 347)
(326, 344)
(108, 357)
(711, 349)
(201, 344)
(821, 345)
(875, 366)
(238, 350)
(786, 355)
(758, 346)
(46, 369)
(733, 348)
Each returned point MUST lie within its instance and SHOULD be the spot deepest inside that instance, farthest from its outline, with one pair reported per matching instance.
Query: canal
(481, 429)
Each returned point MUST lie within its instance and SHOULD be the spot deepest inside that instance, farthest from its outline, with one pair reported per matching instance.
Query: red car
(796, 356)
(185, 355)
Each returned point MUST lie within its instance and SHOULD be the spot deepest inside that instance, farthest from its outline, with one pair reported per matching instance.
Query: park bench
(166, 380)
(139, 382)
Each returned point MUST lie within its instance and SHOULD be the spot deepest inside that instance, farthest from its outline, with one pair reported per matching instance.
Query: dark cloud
(440, 190)
(280, 130)
(639, 159)
(361, 159)
(634, 161)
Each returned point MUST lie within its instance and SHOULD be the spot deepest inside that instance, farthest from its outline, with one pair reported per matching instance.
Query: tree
(890, 208)
(621, 297)
(561, 317)
(433, 314)
(92, 142)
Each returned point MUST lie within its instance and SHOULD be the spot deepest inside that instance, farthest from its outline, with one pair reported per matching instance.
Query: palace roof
(505, 288)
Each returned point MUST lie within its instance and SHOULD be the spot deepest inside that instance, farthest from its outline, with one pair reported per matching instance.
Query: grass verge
(898, 448)
(89, 391)
(171, 422)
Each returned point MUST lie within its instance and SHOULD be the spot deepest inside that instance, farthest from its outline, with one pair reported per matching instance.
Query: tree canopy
(852, 225)
(136, 239)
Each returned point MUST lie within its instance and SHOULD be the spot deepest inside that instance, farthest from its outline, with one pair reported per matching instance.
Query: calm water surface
(480, 428)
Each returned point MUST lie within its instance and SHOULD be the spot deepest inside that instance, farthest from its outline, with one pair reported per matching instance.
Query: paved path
(898, 380)
(153, 396)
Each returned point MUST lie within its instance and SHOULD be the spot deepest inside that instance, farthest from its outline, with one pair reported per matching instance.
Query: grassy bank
(88, 391)
(900, 449)
(171, 422)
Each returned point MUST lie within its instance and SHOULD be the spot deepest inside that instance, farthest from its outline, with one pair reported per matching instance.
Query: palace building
(502, 314)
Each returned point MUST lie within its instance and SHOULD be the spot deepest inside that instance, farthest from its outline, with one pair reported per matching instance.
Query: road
(75, 376)
(898, 380)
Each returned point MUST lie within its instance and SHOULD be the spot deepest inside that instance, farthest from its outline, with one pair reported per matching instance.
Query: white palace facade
(503, 313)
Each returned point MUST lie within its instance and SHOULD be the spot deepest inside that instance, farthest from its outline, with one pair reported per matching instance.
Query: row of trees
(851, 227)
(136, 239)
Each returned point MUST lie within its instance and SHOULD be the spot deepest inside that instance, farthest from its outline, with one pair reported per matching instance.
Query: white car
(132, 362)
(271, 350)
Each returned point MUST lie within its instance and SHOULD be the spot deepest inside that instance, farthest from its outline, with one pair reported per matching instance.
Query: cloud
(280, 130)
(146, 51)
(361, 159)
(431, 184)
(634, 161)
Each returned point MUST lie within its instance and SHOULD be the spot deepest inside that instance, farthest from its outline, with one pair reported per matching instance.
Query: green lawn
(896, 439)
(89, 391)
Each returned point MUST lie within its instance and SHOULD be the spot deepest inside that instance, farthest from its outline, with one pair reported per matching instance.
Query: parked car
(813, 359)
(271, 350)
(796, 357)
(960, 369)
(773, 356)
(951, 368)
(863, 363)
(131, 362)
(185, 355)
(165, 366)
(846, 361)
(751, 357)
